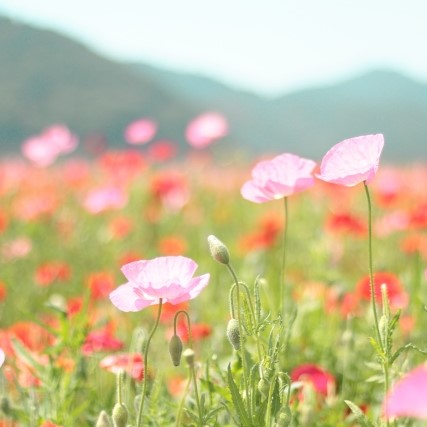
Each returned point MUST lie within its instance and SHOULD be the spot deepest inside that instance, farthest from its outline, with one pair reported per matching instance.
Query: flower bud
(119, 415)
(5, 405)
(264, 387)
(103, 420)
(233, 333)
(218, 250)
(175, 349)
(189, 357)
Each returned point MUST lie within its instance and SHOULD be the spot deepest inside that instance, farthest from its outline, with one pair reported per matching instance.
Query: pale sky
(267, 46)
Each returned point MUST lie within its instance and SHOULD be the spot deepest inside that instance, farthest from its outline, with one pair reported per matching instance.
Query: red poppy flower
(266, 234)
(347, 223)
(102, 340)
(32, 335)
(101, 284)
(169, 310)
(199, 331)
(321, 380)
(161, 151)
(397, 296)
(52, 271)
(3, 291)
(172, 245)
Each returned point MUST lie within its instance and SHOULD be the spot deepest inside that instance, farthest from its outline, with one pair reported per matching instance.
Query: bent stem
(192, 371)
(144, 387)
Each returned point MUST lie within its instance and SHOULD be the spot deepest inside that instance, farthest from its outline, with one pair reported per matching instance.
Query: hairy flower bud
(233, 333)
(264, 387)
(175, 349)
(103, 420)
(119, 415)
(218, 250)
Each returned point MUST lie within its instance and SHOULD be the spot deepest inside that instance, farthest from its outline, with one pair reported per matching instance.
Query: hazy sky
(269, 46)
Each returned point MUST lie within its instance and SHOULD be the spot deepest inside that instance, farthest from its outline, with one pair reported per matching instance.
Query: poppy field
(142, 288)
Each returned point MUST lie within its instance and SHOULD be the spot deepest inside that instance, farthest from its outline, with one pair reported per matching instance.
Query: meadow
(283, 332)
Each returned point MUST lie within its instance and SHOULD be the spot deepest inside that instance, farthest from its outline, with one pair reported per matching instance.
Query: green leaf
(238, 401)
(409, 346)
(358, 413)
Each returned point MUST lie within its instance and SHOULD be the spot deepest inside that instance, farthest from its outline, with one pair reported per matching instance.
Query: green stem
(371, 271)
(196, 392)
(386, 387)
(175, 319)
(120, 387)
(251, 308)
(192, 370)
(181, 405)
(284, 250)
(242, 349)
(144, 387)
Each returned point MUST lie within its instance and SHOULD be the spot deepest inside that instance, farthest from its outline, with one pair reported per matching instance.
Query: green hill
(47, 78)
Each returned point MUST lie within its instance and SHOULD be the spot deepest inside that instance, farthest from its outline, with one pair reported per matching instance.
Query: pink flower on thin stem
(280, 177)
(408, 398)
(168, 278)
(352, 161)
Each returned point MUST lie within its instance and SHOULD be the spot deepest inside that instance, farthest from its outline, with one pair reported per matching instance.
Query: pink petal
(408, 398)
(105, 198)
(38, 151)
(2, 357)
(253, 193)
(60, 137)
(205, 129)
(352, 161)
(132, 270)
(280, 177)
(140, 131)
(125, 298)
(162, 271)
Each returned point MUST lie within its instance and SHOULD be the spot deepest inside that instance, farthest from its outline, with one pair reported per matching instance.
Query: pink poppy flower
(38, 151)
(60, 137)
(42, 150)
(105, 198)
(170, 278)
(2, 357)
(352, 161)
(131, 363)
(205, 129)
(280, 177)
(140, 131)
(408, 397)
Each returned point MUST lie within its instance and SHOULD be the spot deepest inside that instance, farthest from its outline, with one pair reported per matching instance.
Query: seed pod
(119, 415)
(175, 349)
(233, 333)
(218, 250)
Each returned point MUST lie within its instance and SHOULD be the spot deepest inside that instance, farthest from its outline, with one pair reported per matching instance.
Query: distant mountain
(47, 78)
(308, 122)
